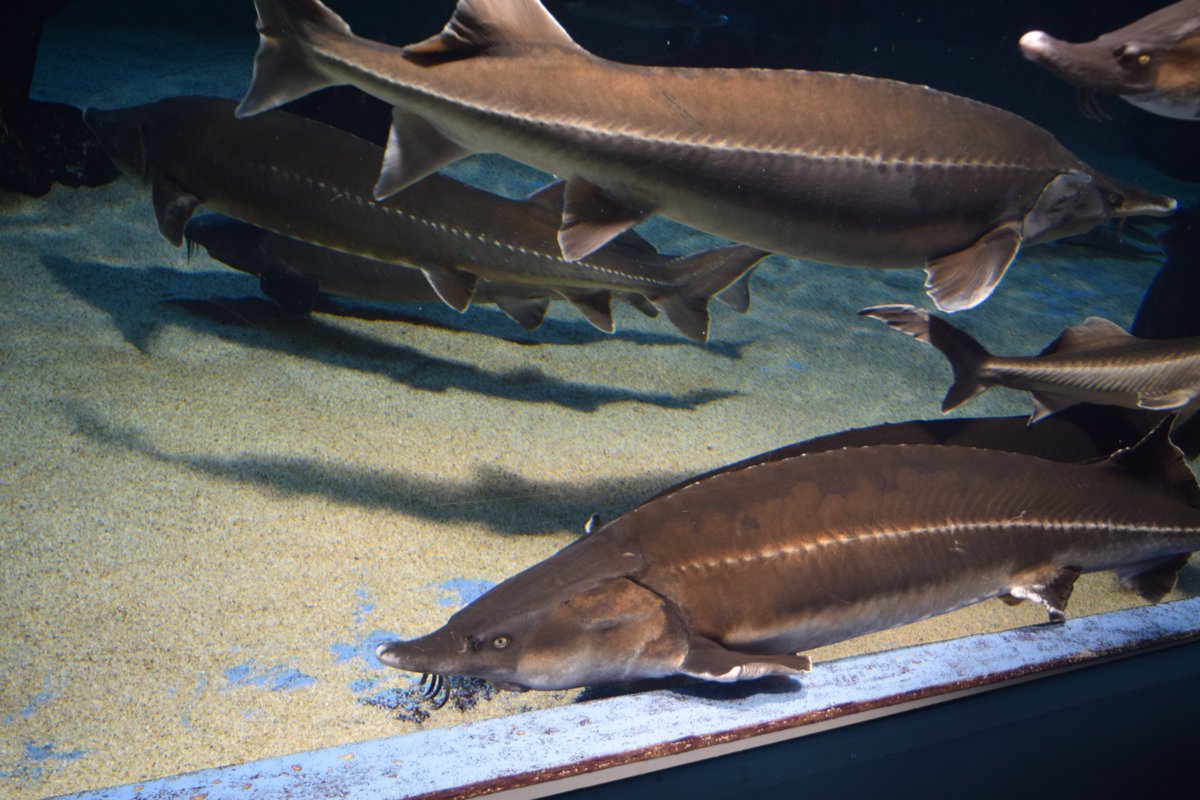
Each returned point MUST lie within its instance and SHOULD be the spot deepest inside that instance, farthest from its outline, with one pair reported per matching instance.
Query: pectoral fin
(1050, 586)
(414, 149)
(710, 661)
(1165, 401)
(173, 207)
(964, 279)
(591, 219)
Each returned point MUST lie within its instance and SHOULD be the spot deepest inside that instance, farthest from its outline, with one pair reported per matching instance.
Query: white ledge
(556, 749)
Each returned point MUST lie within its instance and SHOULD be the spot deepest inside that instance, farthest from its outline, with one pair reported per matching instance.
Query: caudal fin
(966, 356)
(282, 68)
(701, 276)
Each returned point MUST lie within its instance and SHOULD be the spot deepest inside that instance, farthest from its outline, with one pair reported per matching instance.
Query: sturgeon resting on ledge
(844, 169)
(729, 576)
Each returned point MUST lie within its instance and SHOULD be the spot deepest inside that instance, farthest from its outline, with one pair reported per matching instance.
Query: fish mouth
(437, 689)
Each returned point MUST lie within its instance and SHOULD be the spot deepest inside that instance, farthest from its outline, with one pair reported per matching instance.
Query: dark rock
(40, 143)
(46, 143)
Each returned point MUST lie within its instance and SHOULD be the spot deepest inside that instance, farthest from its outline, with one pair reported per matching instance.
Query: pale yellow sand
(235, 492)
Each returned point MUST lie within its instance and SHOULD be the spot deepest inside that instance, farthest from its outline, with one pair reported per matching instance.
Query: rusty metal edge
(800, 725)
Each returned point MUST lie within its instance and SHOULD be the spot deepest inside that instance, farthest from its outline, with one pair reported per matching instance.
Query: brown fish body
(1095, 361)
(845, 543)
(839, 168)
(1126, 374)
(309, 181)
(728, 576)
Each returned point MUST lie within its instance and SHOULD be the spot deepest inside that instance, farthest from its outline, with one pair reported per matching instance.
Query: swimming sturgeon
(1153, 63)
(1094, 362)
(296, 274)
(844, 169)
(310, 181)
(729, 577)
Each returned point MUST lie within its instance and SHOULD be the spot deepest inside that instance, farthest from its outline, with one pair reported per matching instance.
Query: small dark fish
(1153, 63)
(729, 576)
(310, 181)
(845, 169)
(1095, 362)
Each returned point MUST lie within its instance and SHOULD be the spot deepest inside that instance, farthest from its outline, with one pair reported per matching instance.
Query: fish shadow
(493, 498)
(141, 302)
(699, 689)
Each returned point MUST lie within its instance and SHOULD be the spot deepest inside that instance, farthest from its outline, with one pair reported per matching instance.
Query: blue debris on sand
(279, 678)
(463, 591)
(364, 648)
(365, 606)
(46, 752)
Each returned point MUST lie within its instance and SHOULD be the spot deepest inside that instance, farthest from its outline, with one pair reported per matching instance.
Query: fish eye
(500, 642)
(1115, 199)
(1144, 59)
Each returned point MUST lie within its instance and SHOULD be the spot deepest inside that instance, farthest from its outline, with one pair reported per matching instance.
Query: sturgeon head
(1153, 63)
(1077, 201)
(1072, 202)
(576, 619)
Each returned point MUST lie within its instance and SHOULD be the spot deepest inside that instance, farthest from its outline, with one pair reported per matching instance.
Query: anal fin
(415, 149)
(1047, 403)
(964, 279)
(712, 662)
(1050, 586)
(591, 219)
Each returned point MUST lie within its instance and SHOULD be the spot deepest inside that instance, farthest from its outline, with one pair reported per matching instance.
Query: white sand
(206, 504)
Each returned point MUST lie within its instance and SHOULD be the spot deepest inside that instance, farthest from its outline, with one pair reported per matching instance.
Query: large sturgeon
(1095, 362)
(310, 181)
(1152, 63)
(729, 576)
(839, 168)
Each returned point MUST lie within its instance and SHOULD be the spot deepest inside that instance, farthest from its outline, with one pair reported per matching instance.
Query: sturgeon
(296, 274)
(838, 168)
(731, 576)
(1094, 362)
(1153, 63)
(310, 181)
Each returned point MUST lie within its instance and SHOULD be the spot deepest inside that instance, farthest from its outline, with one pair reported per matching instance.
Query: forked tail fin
(700, 276)
(282, 69)
(966, 356)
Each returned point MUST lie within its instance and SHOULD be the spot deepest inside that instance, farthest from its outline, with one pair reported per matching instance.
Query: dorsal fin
(1155, 460)
(1093, 332)
(478, 25)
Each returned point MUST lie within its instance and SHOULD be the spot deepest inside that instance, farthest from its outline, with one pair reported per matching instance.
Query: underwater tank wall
(215, 509)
